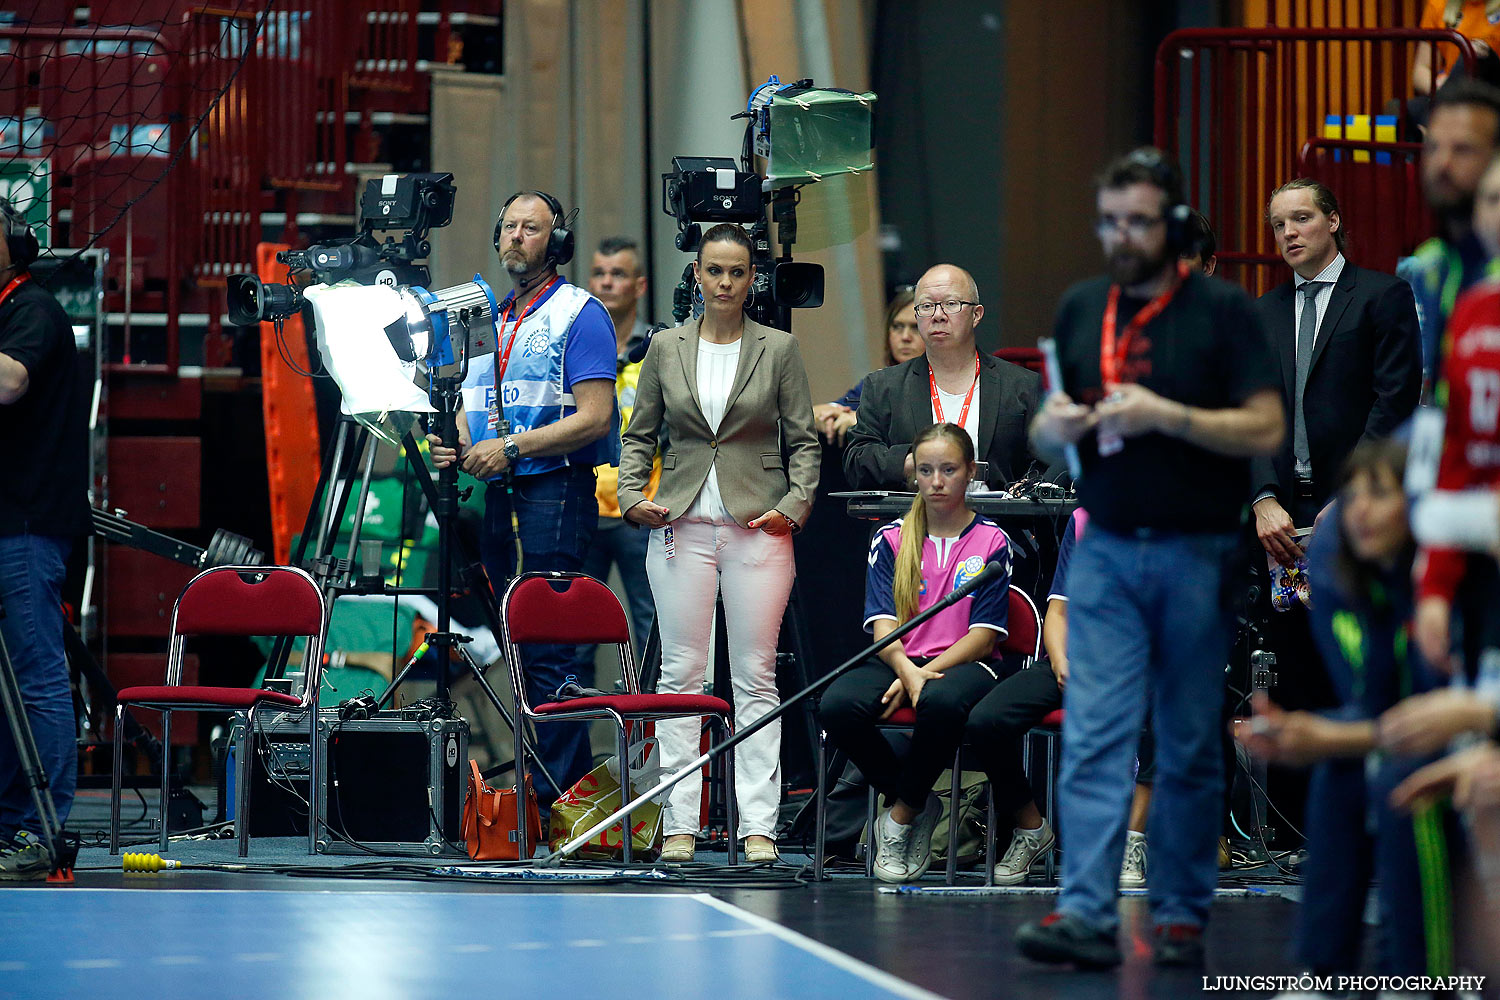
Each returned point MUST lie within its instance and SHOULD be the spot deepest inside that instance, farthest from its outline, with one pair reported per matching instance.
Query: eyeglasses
(1136, 226)
(950, 306)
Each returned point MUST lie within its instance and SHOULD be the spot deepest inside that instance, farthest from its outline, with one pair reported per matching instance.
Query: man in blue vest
(538, 414)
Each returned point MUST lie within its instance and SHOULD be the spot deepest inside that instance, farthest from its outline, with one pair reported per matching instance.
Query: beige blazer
(769, 394)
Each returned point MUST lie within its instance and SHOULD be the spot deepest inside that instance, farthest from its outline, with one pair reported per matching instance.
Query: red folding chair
(585, 611)
(1024, 637)
(246, 601)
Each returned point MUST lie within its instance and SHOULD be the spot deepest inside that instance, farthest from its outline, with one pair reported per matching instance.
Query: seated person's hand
(894, 698)
(1425, 723)
(1472, 776)
(916, 678)
(840, 426)
(825, 415)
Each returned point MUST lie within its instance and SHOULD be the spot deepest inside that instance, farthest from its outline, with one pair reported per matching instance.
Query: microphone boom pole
(958, 594)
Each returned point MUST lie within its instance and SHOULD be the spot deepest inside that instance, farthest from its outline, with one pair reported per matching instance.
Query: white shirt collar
(1329, 275)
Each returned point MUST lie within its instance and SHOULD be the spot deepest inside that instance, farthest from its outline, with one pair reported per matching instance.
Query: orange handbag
(489, 824)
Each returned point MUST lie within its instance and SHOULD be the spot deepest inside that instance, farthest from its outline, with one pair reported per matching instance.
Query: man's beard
(1454, 209)
(1130, 267)
(517, 264)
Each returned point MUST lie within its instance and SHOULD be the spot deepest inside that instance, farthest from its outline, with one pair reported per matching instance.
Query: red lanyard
(15, 283)
(937, 404)
(516, 330)
(1112, 359)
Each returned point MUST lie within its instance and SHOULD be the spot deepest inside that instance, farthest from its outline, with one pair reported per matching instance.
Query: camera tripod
(60, 851)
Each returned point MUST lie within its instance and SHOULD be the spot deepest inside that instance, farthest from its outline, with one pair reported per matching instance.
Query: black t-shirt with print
(1206, 349)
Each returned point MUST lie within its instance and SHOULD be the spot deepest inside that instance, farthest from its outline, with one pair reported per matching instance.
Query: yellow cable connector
(148, 863)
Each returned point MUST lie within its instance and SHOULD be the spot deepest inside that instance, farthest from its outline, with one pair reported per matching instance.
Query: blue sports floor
(147, 943)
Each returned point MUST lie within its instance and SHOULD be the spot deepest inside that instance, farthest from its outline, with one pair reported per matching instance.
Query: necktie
(1307, 333)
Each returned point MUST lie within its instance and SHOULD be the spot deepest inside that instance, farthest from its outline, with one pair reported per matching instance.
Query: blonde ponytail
(907, 587)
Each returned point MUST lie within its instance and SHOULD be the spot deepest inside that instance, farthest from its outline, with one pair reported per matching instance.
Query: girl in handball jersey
(940, 669)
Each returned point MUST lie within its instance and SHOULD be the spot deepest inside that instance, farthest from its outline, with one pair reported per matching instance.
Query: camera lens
(252, 301)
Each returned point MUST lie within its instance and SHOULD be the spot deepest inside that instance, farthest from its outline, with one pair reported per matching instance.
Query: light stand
(991, 569)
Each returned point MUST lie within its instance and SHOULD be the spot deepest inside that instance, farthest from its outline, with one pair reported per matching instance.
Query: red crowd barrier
(1245, 110)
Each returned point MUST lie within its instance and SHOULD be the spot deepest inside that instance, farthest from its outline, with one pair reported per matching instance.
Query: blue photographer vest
(532, 392)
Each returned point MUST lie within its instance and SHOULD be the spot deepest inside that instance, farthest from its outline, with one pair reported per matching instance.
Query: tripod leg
(30, 756)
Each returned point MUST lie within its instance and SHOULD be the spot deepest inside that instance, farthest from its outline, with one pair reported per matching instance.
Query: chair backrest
(251, 601)
(564, 608)
(1025, 626)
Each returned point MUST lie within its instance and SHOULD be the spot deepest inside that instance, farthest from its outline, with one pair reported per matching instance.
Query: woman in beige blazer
(721, 393)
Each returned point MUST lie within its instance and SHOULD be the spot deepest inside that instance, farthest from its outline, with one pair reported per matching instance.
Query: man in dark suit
(1351, 365)
(952, 382)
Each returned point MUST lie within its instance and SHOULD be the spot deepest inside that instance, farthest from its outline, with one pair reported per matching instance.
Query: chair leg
(626, 794)
(315, 757)
(820, 808)
(114, 783)
(954, 817)
(166, 775)
(731, 800)
(989, 835)
(1052, 799)
(245, 765)
(871, 818)
(523, 846)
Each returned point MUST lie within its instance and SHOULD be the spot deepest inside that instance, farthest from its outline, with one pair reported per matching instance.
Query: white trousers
(754, 572)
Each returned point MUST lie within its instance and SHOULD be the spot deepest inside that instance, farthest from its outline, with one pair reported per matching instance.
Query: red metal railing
(1236, 107)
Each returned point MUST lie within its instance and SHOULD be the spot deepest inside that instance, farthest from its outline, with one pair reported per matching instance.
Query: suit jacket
(768, 399)
(1364, 381)
(896, 403)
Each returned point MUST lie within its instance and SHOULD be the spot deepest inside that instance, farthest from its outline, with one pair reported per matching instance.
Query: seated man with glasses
(951, 382)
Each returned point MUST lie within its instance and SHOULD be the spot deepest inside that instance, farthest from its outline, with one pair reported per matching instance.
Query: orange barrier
(292, 447)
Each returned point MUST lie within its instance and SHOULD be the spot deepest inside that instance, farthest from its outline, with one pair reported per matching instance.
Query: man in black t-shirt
(43, 508)
(1169, 385)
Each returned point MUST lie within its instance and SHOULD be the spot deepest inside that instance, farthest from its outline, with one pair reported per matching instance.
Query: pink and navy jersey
(947, 563)
(1074, 531)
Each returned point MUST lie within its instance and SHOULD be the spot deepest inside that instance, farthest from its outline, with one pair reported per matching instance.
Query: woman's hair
(1358, 577)
(726, 232)
(902, 299)
(908, 575)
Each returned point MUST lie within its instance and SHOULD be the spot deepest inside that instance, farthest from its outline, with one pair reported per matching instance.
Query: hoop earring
(751, 304)
(697, 293)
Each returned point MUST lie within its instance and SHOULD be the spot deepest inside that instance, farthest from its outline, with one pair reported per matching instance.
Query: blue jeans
(621, 544)
(557, 515)
(31, 581)
(1148, 618)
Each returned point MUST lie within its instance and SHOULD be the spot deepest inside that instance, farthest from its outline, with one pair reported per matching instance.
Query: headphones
(1177, 212)
(559, 241)
(18, 237)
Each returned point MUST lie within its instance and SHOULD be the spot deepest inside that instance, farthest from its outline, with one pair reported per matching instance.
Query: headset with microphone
(559, 241)
(1177, 213)
(19, 238)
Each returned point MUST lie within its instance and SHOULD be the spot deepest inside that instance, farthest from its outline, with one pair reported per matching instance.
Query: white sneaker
(919, 847)
(1026, 846)
(1133, 871)
(891, 842)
